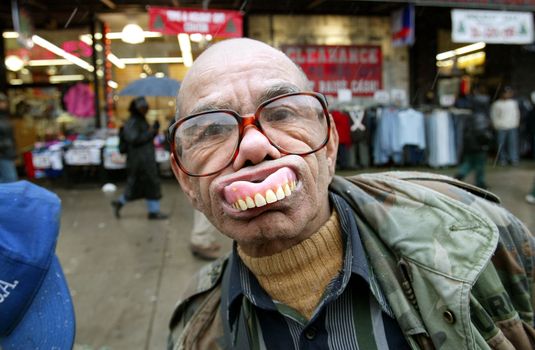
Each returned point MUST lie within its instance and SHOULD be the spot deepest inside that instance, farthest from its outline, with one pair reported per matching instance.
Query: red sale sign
(218, 23)
(331, 68)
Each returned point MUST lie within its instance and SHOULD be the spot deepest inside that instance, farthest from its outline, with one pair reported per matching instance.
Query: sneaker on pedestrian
(158, 216)
(117, 208)
(530, 199)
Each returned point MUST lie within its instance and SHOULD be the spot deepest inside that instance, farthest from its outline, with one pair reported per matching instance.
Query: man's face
(237, 76)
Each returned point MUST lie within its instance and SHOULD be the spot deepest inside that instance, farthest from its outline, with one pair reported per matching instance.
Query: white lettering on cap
(6, 288)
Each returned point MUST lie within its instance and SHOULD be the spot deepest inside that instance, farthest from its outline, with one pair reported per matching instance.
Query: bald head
(234, 56)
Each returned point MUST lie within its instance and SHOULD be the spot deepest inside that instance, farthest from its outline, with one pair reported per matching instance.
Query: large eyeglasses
(206, 143)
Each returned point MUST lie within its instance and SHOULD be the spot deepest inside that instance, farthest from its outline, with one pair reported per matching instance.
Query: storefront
(490, 44)
(357, 53)
(66, 90)
(351, 56)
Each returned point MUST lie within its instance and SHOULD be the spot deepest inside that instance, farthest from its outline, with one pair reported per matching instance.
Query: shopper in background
(8, 171)
(505, 116)
(530, 197)
(343, 126)
(203, 238)
(476, 135)
(143, 180)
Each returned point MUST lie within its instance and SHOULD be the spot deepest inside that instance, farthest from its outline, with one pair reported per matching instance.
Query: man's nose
(254, 147)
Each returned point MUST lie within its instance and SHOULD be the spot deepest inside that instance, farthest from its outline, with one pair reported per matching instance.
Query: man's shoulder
(205, 280)
(195, 319)
(437, 182)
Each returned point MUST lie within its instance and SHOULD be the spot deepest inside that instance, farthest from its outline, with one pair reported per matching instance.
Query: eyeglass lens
(295, 124)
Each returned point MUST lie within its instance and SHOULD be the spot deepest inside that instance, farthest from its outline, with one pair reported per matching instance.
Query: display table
(52, 159)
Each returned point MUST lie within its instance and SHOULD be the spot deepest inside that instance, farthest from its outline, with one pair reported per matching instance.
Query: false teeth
(262, 199)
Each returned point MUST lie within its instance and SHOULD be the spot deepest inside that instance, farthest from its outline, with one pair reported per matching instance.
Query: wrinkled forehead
(241, 70)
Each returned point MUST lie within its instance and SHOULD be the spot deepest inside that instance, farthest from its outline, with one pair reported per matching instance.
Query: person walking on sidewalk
(476, 134)
(8, 171)
(505, 116)
(143, 180)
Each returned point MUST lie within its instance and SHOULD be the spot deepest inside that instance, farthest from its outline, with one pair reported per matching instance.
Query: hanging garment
(80, 101)
(441, 139)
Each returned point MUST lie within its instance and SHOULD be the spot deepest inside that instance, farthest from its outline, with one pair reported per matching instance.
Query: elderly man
(378, 261)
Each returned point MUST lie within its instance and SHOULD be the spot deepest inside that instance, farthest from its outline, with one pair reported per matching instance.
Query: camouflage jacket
(457, 268)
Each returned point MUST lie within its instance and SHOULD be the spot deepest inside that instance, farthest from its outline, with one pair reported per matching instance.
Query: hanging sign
(332, 68)
(497, 27)
(218, 23)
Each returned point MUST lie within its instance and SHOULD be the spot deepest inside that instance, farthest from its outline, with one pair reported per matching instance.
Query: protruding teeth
(259, 200)
(270, 196)
(287, 190)
(249, 201)
(242, 204)
(292, 185)
(279, 193)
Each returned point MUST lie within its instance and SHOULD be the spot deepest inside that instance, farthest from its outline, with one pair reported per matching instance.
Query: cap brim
(49, 321)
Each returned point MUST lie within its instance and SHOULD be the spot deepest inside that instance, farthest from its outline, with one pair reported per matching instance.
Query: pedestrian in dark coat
(477, 136)
(143, 180)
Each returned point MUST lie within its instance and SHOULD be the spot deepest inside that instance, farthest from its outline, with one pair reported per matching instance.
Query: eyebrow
(277, 90)
(271, 92)
(210, 107)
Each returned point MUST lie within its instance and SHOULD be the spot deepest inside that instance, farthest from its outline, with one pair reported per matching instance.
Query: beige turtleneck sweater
(298, 276)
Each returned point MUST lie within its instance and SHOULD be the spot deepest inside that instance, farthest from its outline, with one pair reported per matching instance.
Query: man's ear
(184, 180)
(332, 147)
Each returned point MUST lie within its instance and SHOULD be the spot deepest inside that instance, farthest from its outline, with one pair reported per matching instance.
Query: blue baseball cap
(35, 304)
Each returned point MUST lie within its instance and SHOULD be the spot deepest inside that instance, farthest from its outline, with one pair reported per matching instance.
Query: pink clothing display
(80, 101)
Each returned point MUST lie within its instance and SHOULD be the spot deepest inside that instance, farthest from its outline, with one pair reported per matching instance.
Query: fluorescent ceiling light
(146, 34)
(460, 51)
(196, 37)
(115, 60)
(10, 35)
(63, 78)
(52, 62)
(445, 63)
(86, 38)
(133, 34)
(152, 60)
(109, 3)
(185, 48)
(60, 52)
(14, 63)
(113, 84)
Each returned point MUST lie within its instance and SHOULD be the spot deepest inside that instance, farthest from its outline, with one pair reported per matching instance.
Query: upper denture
(244, 195)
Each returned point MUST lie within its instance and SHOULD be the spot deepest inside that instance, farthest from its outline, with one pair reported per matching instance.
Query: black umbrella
(152, 86)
